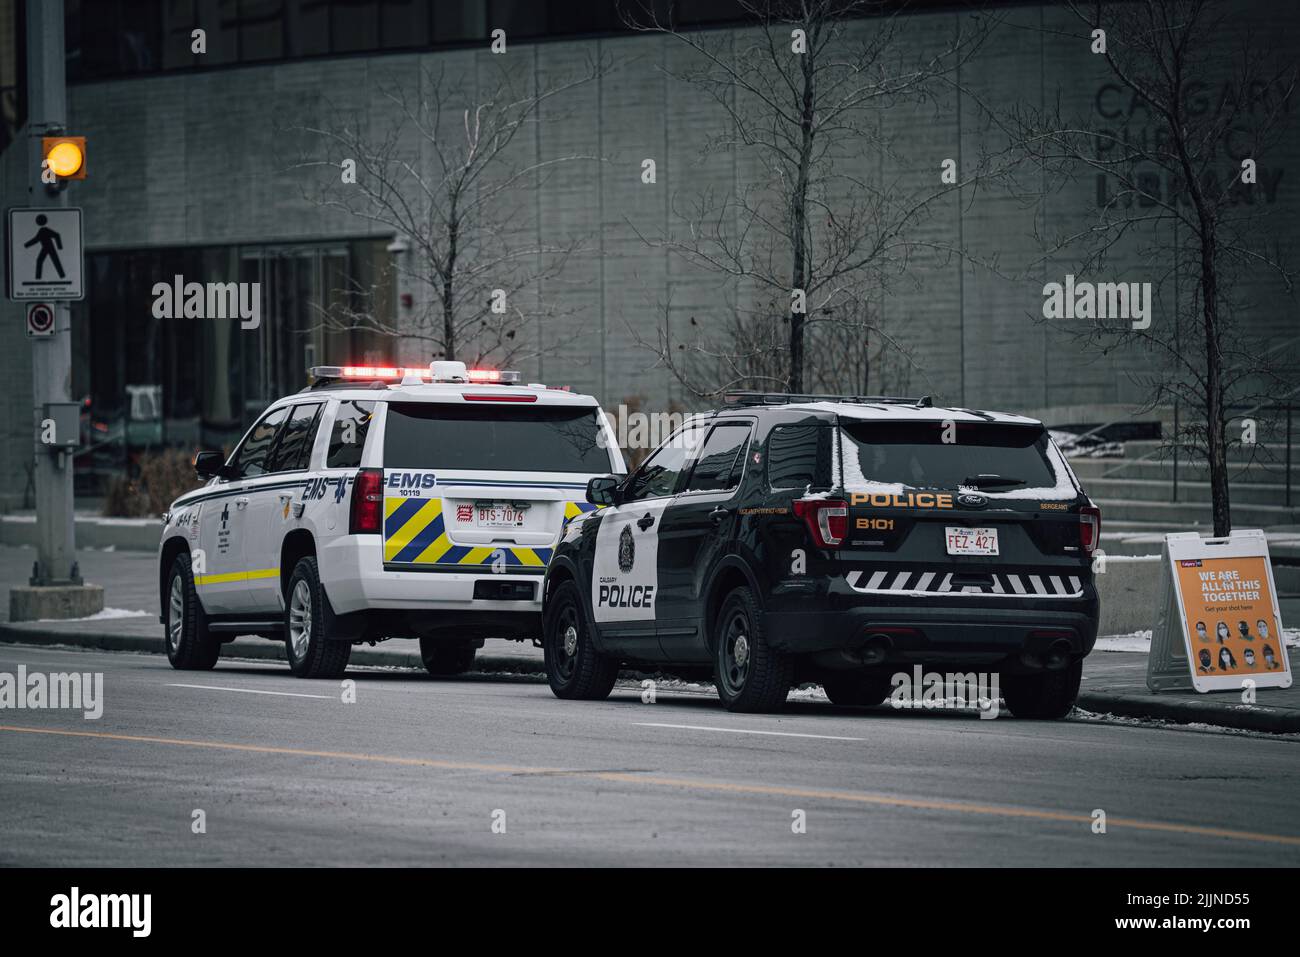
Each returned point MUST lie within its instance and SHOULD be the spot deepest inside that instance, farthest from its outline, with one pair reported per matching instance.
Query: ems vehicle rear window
(435, 435)
(990, 456)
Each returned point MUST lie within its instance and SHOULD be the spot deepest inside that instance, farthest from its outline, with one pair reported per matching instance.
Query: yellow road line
(716, 787)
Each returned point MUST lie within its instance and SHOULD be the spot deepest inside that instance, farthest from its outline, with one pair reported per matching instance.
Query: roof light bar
(782, 398)
(477, 376)
(365, 372)
(507, 377)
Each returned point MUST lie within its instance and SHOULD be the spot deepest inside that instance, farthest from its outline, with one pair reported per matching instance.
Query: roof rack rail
(785, 398)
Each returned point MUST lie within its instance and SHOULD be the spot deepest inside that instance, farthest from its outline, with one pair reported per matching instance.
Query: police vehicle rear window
(1002, 458)
(435, 435)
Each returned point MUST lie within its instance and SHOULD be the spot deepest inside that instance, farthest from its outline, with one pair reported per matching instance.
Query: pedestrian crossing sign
(43, 253)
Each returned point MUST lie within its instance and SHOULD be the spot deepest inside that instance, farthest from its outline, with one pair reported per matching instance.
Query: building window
(208, 379)
(114, 38)
(13, 71)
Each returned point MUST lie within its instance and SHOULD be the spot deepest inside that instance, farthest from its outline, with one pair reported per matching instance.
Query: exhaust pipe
(876, 649)
(1058, 656)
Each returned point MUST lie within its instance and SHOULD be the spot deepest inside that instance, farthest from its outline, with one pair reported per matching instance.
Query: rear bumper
(930, 630)
(354, 578)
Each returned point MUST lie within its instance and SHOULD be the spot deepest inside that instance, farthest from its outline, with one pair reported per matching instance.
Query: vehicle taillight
(367, 513)
(827, 519)
(1089, 528)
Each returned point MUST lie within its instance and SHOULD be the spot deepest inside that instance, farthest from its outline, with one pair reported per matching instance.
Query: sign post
(43, 265)
(1219, 621)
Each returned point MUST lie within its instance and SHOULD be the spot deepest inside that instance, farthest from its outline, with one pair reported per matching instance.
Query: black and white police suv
(380, 503)
(832, 539)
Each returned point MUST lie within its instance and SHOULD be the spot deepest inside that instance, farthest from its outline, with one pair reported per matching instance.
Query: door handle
(645, 521)
(241, 502)
(718, 514)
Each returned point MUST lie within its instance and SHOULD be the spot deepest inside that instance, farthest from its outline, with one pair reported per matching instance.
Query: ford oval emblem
(972, 500)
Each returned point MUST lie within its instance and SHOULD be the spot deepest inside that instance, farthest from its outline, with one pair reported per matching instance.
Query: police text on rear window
(436, 435)
(992, 457)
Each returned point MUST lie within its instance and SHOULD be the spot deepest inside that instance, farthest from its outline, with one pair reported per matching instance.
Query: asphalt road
(417, 771)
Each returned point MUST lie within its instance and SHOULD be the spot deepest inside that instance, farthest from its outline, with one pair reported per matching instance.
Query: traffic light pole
(56, 563)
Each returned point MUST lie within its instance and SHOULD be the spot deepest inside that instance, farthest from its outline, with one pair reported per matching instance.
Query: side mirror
(208, 464)
(603, 490)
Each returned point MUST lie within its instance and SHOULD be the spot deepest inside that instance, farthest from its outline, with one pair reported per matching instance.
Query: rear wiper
(991, 481)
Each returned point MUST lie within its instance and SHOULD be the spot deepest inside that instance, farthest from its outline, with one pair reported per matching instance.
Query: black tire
(442, 657)
(753, 676)
(313, 655)
(1046, 696)
(190, 646)
(574, 668)
(855, 689)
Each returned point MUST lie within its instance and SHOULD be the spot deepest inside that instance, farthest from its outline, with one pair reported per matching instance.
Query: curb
(1183, 710)
(255, 648)
(1245, 717)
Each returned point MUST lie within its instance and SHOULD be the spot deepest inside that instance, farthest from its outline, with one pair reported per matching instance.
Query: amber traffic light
(65, 156)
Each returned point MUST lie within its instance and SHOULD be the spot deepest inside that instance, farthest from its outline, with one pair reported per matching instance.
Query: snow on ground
(1141, 641)
(1135, 641)
(104, 615)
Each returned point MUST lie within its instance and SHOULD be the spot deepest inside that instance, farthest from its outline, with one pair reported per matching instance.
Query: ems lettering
(411, 480)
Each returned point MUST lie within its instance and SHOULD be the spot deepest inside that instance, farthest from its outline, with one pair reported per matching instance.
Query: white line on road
(282, 694)
(778, 734)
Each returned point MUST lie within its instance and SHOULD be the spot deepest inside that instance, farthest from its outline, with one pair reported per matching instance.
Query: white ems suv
(381, 503)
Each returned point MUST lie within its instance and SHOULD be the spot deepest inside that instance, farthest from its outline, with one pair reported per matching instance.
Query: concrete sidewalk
(1114, 682)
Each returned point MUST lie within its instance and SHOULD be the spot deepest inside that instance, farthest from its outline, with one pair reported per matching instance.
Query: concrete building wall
(202, 159)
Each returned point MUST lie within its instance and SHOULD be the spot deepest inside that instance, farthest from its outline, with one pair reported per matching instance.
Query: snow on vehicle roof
(898, 412)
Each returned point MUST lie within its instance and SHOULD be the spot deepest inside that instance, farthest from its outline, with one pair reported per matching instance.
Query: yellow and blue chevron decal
(573, 509)
(415, 534)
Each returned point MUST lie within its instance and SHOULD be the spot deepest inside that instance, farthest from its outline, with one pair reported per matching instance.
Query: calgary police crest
(626, 550)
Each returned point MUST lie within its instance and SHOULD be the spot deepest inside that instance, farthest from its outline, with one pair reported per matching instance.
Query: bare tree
(1187, 194)
(447, 179)
(805, 94)
(749, 349)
